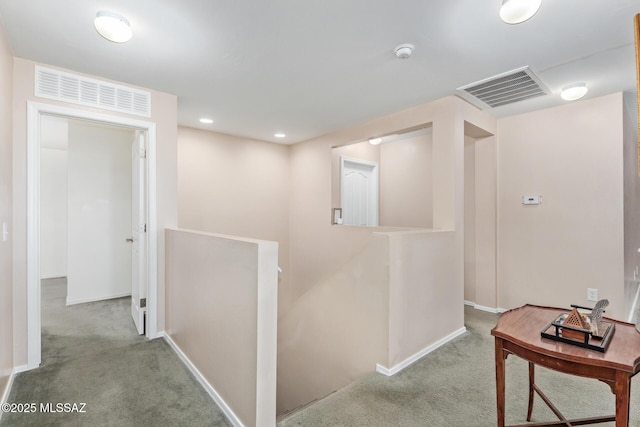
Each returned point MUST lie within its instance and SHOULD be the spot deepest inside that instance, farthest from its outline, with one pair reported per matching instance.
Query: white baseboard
(490, 309)
(7, 390)
(484, 308)
(21, 368)
(400, 366)
(203, 381)
(53, 276)
(159, 334)
(102, 298)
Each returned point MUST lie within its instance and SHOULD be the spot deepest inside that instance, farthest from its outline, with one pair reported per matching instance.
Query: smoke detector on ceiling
(404, 50)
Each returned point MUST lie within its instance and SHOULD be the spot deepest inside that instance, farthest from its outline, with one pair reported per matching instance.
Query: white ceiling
(307, 68)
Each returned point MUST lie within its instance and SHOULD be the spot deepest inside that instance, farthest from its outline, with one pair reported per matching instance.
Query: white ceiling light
(404, 50)
(112, 26)
(517, 11)
(574, 91)
(206, 121)
(375, 141)
(279, 135)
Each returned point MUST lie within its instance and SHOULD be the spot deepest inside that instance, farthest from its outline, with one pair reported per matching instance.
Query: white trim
(20, 369)
(7, 390)
(34, 111)
(152, 236)
(33, 236)
(400, 366)
(635, 303)
(53, 276)
(203, 381)
(94, 299)
(490, 309)
(484, 308)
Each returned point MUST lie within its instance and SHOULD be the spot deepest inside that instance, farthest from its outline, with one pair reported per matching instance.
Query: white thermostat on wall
(531, 200)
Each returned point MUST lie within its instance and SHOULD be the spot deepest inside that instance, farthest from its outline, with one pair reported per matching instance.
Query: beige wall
(338, 331)
(406, 186)
(631, 206)
(480, 217)
(163, 113)
(486, 221)
(6, 255)
(551, 253)
(422, 291)
(405, 179)
(235, 186)
(469, 219)
(311, 192)
(371, 311)
(222, 315)
(319, 250)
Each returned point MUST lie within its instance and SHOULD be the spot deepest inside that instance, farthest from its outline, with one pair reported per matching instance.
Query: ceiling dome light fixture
(279, 135)
(574, 91)
(517, 11)
(404, 50)
(113, 26)
(375, 141)
(206, 121)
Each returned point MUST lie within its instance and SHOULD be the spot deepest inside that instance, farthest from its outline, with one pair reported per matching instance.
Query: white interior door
(359, 192)
(98, 212)
(138, 237)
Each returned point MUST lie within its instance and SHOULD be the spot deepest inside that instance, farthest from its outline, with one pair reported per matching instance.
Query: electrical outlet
(592, 294)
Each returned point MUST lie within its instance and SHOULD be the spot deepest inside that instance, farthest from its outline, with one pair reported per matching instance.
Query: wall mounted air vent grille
(61, 86)
(503, 89)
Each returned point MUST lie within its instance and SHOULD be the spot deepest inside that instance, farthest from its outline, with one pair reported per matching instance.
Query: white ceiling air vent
(503, 89)
(67, 87)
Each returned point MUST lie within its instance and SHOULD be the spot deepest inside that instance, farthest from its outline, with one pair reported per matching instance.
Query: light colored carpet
(455, 387)
(91, 353)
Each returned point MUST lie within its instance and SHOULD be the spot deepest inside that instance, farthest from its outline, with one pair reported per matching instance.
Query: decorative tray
(586, 338)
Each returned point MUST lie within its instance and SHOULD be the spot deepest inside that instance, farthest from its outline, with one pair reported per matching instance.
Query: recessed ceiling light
(113, 26)
(206, 121)
(574, 91)
(279, 135)
(517, 11)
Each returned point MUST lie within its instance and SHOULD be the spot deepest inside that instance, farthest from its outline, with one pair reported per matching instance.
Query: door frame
(34, 111)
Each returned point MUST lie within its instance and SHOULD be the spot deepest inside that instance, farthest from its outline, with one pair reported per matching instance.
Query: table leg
(531, 383)
(500, 389)
(623, 395)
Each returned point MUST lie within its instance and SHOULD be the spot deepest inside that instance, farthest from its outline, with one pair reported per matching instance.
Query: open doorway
(142, 232)
(85, 207)
(480, 218)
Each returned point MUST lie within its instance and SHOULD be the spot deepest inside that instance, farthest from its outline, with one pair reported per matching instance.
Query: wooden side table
(518, 332)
